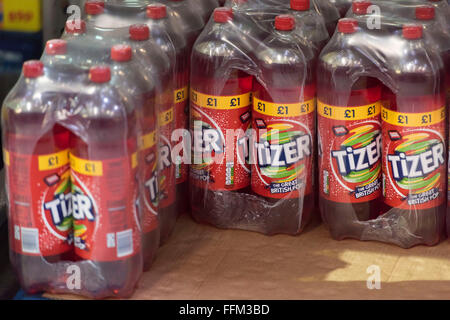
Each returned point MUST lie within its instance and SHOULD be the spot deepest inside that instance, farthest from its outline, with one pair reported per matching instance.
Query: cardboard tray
(202, 262)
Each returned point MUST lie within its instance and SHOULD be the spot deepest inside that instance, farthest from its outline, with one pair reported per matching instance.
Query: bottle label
(220, 141)
(39, 193)
(181, 117)
(414, 168)
(167, 180)
(284, 148)
(105, 208)
(349, 152)
(149, 160)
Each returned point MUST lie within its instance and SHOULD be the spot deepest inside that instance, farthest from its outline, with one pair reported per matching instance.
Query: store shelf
(201, 262)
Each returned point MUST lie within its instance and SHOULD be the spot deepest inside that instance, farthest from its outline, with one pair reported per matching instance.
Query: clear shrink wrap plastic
(323, 7)
(383, 133)
(71, 143)
(81, 135)
(171, 35)
(253, 124)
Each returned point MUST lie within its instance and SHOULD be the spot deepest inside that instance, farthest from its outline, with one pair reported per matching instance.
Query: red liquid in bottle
(104, 163)
(38, 175)
(348, 120)
(218, 104)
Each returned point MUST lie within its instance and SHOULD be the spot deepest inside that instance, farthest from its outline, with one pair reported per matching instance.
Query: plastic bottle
(104, 169)
(159, 20)
(218, 103)
(348, 122)
(414, 142)
(38, 181)
(284, 123)
(132, 82)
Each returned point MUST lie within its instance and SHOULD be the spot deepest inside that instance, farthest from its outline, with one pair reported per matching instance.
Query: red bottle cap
(100, 74)
(284, 22)
(139, 32)
(74, 26)
(300, 5)
(33, 69)
(156, 11)
(121, 53)
(55, 47)
(347, 25)
(94, 7)
(360, 7)
(412, 31)
(223, 15)
(425, 13)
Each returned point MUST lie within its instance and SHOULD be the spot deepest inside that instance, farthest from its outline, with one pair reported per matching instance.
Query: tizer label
(166, 168)
(181, 117)
(283, 149)
(220, 140)
(414, 155)
(39, 192)
(349, 152)
(149, 160)
(105, 208)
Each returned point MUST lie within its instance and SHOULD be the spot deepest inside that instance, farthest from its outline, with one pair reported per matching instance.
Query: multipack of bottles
(253, 120)
(382, 125)
(88, 133)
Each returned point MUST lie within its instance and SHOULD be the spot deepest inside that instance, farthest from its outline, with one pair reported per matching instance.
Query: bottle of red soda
(105, 186)
(284, 123)
(349, 131)
(220, 118)
(132, 82)
(415, 141)
(159, 20)
(36, 156)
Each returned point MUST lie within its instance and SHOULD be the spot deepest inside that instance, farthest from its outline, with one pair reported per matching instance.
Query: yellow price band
(221, 102)
(413, 119)
(181, 95)
(148, 141)
(86, 167)
(165, 117)
(349, 113)
(134, 160)
(6, 158)
(53, 161)
(284, 110)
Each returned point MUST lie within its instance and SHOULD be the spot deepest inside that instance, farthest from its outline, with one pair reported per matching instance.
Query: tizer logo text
(351, 160)
(82, 207)
(281, 155)
(415, 166)
(152, 187)
(60, 208)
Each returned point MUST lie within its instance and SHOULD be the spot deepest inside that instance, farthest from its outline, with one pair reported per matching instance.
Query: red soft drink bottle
(220, 118)
(284, 124)
(133, 83)
(349, 137)
(36, 155)
(157, 65)
(159, 21)
(104, 169)
(415, 141)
